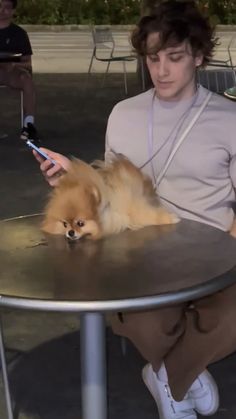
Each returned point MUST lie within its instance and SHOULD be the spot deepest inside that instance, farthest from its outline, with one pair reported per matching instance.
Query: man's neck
(4, 24)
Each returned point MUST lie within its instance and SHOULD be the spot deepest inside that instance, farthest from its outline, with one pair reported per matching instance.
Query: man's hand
(52, 173)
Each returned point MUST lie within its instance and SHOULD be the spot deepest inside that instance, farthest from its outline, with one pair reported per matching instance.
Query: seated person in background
(17, 75)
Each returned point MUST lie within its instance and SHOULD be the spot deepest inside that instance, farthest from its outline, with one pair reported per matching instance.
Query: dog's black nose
(71, 233)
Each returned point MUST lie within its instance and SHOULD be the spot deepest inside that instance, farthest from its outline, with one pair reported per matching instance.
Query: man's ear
(199, 60)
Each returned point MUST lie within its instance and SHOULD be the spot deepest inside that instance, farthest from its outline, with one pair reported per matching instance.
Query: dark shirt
(15, 39)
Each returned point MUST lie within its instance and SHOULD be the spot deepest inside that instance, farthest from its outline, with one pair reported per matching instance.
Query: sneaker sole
(215, 397)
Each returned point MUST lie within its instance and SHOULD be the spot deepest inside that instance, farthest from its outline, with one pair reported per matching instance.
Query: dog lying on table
(97, 200)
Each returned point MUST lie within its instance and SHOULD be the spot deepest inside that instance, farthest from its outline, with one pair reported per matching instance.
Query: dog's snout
(71, 233)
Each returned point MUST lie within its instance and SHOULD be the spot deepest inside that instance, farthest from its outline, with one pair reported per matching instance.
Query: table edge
(139, 303)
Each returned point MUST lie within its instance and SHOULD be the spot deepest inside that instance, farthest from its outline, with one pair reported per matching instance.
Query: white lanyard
(158, 179)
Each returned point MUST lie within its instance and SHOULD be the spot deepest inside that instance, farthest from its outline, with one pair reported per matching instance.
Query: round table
(148, 268)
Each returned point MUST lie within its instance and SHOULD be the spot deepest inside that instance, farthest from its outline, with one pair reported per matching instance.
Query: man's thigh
(217, 309)
(12, 77)
(4, 79)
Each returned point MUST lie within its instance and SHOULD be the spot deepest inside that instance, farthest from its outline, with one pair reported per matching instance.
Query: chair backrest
(227, 44)
(104, 43)
(102, 36)
(217, 80)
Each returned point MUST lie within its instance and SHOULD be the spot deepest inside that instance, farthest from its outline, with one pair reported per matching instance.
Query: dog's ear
(96, 194)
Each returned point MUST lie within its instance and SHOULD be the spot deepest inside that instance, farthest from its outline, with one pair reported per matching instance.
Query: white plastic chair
(104, 51)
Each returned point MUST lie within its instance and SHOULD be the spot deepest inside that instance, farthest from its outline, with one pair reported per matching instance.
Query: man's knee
(216, 311)
(166, 322)
(25, 78)
(19, 79)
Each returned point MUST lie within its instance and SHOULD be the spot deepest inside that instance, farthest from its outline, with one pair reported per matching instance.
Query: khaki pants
(186, 337)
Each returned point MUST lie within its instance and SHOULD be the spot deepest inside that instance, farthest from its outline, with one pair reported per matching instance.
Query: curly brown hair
(176, 22)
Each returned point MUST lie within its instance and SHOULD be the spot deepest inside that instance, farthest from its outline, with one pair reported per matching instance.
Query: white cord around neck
(181, 139)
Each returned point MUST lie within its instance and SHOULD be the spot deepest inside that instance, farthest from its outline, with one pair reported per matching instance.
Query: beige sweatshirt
(199, 183)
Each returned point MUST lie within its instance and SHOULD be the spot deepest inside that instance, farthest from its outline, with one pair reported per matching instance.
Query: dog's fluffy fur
(108, 199)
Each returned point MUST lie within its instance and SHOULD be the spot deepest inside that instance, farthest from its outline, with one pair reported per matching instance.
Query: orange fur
(108, 199)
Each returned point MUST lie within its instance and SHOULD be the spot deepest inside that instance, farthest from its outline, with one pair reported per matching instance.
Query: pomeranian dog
(102, 199)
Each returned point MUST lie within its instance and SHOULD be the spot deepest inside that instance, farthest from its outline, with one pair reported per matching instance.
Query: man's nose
(162, 68)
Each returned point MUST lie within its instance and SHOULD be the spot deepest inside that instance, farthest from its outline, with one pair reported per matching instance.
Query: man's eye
(65, 224)
(176, 58)
(80, 223)
(153, 58)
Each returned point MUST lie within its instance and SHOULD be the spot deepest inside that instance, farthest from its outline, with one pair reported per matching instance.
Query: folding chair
(218, 80)
(103, 50)
(226, 63)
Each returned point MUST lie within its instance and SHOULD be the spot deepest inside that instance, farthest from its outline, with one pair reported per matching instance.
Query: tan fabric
(187, 339)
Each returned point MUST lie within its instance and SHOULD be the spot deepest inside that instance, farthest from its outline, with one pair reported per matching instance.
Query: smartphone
(40, 152)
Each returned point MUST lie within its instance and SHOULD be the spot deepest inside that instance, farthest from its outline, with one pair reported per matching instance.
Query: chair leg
(91, 63)
(217, 83)
(208, 80)
(123, 345)
(105, 74)
(5, 376)
(234, 76)
(21, 108)
(89, 70)
(142, 73)
(125, 77)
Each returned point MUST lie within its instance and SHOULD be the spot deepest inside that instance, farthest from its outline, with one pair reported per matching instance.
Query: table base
(93, 367)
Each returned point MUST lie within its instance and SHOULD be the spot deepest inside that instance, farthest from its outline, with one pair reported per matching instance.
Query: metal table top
(151, 267)
(6, 57)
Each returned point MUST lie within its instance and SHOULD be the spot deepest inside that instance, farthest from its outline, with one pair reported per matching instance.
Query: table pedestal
(5, 376)
(93, 366)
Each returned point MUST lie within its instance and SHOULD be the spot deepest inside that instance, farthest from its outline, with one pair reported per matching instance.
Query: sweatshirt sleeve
(232, 170)
(109, 152)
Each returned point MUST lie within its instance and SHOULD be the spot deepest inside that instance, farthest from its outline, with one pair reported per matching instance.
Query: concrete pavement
(70, 52)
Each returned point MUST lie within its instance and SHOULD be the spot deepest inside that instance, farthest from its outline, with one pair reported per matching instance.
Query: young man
(199, 184)
(17, 75)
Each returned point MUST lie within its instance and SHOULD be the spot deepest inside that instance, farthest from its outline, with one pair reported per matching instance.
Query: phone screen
(42, 153)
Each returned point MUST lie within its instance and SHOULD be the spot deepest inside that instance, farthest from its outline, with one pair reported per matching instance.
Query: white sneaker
(205, 395)
(168, 408)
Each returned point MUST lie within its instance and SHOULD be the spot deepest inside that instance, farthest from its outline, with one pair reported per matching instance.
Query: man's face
(172, 70)
(6, 11)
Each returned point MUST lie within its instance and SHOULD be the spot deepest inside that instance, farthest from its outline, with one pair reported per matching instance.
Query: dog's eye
(65, 224)
(80, 223)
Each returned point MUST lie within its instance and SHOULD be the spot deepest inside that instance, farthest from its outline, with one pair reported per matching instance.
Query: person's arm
(25, 63)
(52, 173)
(109, 152)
